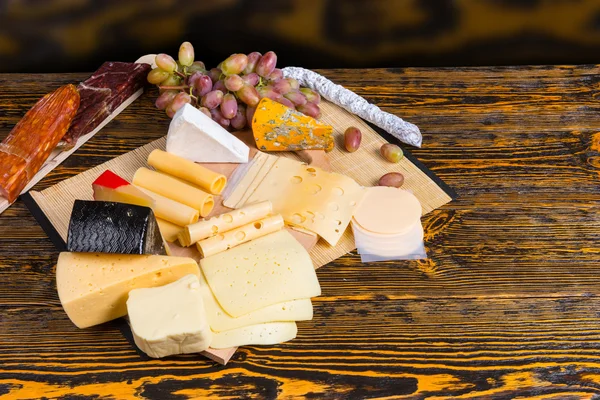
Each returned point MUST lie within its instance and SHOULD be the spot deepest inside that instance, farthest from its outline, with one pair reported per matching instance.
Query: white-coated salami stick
(347, 99)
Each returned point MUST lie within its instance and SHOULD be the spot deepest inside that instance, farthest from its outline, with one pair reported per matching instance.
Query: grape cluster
(230, 92)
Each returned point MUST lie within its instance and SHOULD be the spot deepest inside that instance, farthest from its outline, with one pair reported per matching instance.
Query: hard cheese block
(111, 187)
(268, 333)
(93, 287)
(169, 319)
(266, 271)
(280, 128)
(319, 201)
(109, 227)
(219, 320)
(196, 137)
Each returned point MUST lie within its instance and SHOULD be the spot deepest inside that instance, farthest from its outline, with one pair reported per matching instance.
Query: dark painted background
(78, 35)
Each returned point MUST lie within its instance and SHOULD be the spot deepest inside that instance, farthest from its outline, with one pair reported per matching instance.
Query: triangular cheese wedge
(195, 136)
(111, 187)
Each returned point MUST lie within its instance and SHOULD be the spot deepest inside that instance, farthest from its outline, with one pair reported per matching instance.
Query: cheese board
(208, 238)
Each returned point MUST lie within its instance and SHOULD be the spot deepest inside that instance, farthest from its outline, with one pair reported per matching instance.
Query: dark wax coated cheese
(109, 227)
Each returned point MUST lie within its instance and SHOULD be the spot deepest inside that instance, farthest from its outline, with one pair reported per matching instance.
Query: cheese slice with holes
(93, 287)
(269, 333)
(265, 271)
(219, 320)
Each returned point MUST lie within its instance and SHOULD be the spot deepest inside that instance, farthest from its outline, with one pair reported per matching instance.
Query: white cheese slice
(169, 319)
(269, 333)
(219, 320)
(265, 271)
(388, 210)
(195, 136)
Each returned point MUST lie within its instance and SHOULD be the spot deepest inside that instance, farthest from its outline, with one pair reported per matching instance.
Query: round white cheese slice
(388, 210)
(396, 245)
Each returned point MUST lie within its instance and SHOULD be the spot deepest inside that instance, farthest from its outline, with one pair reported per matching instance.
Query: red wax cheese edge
(110, 180)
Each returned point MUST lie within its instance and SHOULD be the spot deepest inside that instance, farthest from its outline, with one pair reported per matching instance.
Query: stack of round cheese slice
(387, 223)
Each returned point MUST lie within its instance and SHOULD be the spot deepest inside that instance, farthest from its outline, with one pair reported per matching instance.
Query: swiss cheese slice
(268, 333)
(265, 271)
(93, 287)
(219, 320)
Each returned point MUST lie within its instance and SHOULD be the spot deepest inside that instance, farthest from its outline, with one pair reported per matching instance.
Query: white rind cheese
(195, 136)
(269, 333)
(170, 319)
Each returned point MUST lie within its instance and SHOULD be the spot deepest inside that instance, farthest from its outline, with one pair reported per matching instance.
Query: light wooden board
(58, 156)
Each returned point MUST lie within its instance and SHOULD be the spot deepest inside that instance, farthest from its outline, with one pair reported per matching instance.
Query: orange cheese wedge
(279, 128)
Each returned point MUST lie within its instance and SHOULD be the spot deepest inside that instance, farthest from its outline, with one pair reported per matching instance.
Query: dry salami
(102, 93)
(31, 141)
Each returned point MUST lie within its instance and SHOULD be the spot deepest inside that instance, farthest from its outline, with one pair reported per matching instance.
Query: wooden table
(506, 306)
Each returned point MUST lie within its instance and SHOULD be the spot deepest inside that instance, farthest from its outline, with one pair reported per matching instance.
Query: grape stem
(180, 74)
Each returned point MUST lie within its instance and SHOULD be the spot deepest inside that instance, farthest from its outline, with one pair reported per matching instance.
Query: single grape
(191, 79)
(296, 97)
(186, 54)
(269, 92)
(212, 99)
(293, 83)
(205, 111)
(285, 102)
(197, 66)
(239, 120)
(250, 114)
(233, 82)
(157, 76)
(220, 85)
(251, 79)
(252, 60)
(266, 64)
(165, 98)
(391, 152)
(165, 62)
(282, 86)
(219, 118)
(234, 64)
(229, 106)
(275, 75)
(172, 80)
(352, 138)
(310, 109)
(393, 179)
(203, 85)
(248, 95)
(215, 74)
(311, 95)
(180, 100)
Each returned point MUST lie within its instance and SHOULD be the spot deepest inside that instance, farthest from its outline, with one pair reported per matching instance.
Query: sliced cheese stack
(258, 289)
(387, 225)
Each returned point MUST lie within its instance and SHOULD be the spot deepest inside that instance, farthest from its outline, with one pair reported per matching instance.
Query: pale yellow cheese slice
(388, 210)
(219, 320)
(187, 170)
(265, 271)
(168, 230)
(269, 333)
(238, 236)
(234, 198)
(93, 287)
(171, 210)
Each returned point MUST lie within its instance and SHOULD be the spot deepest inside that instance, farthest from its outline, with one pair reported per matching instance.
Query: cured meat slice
(102, 93)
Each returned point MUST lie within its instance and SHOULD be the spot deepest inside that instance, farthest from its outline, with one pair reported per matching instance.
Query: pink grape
(293, 83)
(219, 85)
(233, 82)
(296, 97)
(203, 85)
(266, 64)
(193, 77)
(239, 120)
(310, 109)
(275, 75)
(234, 64)
(248, 95)
(205, 111)
(165, 62)
(186, 54)
(250, 114)
(252, 60)
(282, 86)
(157, 76)
(180, 100)
(219, 118)
(285, 102)
(229, 106)
(269, 92)
(212, 99)
(170, 112)
(311, 95)
(215, 74)
(251, 79)
(165, 98)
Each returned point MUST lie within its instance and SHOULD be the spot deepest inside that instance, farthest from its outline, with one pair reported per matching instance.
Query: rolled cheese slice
(227, 221)
(187, 170)
(168, 230)
(237, 236)
(171, 210)
(174, 189)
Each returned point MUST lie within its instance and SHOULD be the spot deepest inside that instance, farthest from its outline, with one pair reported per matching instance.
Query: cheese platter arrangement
(208, 238)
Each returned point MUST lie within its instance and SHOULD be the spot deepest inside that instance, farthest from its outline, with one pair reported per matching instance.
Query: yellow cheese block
(279, 128)
(93, 287)
(174, 189)
(187, 170)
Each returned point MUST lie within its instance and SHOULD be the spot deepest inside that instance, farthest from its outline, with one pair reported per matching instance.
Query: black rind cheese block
(109, 227)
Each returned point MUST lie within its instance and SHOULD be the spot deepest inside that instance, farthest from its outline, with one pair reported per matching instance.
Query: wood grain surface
(507, 306)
